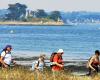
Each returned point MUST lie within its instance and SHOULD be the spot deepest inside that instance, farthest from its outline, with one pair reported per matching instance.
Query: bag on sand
(33, 65)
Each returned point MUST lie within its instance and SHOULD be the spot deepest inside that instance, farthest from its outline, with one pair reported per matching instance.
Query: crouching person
(93, 64)
(38, 67)
(6, 57)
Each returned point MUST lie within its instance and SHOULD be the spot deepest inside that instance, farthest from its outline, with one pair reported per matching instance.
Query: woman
(39, 67)
(6, 57)
(93, 63)
(39, 64)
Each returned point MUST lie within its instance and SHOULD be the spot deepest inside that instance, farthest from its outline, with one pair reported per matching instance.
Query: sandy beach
(15, 23)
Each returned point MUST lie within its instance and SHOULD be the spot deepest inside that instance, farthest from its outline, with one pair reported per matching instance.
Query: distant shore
(53, 23)
(31, 23)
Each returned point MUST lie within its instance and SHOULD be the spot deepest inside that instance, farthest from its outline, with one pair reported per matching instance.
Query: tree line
(19, 12)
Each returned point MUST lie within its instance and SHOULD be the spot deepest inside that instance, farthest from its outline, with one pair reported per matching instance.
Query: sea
(78, 41)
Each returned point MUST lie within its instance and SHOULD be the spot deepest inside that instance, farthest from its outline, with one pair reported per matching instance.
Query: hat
(42, 55)
(7, 46)
(60, 51)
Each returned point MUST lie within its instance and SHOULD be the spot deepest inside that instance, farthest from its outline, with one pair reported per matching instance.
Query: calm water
(78, 42)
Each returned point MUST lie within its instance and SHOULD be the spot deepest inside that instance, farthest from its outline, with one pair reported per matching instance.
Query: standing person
(58, 63)
(39, 67)
(39, 64)
(93, 63)
(6, 57)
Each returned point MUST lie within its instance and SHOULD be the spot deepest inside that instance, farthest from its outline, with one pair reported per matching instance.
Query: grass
(23, 73)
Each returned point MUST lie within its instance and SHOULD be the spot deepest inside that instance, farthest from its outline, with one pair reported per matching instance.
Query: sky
(61, 5)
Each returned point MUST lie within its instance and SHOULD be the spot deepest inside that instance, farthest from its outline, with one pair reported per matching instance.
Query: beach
(75, 67)
(29, 42)
(72, 71)
(50, 40)
(16, 23)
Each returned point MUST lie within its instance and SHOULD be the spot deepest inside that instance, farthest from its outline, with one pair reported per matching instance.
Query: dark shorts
(91, 72)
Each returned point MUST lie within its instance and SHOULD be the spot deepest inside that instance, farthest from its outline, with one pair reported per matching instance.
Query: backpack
(52, 56)
(33, 65)
(88, 62)
(1, 52)
(51, 59)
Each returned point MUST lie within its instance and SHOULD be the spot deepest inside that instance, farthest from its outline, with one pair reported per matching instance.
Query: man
(93, 63)
(59, 64)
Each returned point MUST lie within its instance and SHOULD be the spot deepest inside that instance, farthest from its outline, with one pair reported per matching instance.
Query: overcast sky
(61, 5)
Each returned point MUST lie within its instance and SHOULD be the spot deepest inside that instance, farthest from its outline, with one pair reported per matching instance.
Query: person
(93, 63)
(6, 57)
(58, 63)
(39, 64)
(39, 67)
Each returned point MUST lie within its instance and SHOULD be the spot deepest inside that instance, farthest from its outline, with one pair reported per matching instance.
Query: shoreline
(18, 23)
(74, 67)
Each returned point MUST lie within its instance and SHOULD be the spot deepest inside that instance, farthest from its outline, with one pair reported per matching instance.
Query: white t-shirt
(7, 57)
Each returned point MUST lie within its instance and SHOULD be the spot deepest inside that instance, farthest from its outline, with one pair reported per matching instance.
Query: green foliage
(55, 15)
(41, 13)
(17, 11)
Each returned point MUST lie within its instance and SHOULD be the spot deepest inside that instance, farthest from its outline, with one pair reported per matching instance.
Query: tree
(55, 15)
(17, 11)
(41, 13)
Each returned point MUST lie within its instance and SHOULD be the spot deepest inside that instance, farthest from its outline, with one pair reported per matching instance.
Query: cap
(60, 51)
(8, 46)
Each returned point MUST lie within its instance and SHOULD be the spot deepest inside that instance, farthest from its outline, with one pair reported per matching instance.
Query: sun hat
(60, 51)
